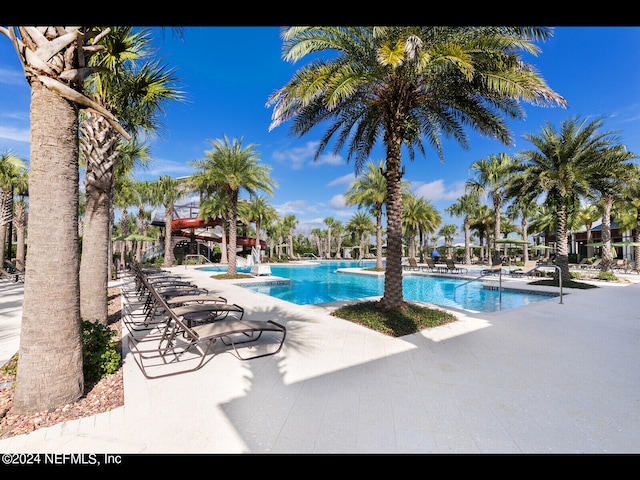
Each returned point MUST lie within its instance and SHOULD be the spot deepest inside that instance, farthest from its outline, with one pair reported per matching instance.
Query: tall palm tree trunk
(20, 219)
(50, 356)
(562, 244)
(393, 297)
(607, 258)
(98, 146)
(169, 257)
(6, 215)
(233, 233)
(467, 240)
(94, 266)
(378, 241)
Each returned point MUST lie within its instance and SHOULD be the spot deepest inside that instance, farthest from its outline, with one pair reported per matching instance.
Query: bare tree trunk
(378, 240)
(233, 234)
(607, 258)
(393, 297)
(50, 366)
(562, 247)
(94, 265)
(169, 257)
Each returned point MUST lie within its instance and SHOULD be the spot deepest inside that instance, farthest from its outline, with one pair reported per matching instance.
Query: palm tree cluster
(406, 86)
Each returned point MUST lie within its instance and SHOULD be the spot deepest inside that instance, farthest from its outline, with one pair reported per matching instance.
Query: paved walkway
(543, 378)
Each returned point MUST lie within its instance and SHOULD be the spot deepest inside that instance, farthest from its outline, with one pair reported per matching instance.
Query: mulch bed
(99, 397)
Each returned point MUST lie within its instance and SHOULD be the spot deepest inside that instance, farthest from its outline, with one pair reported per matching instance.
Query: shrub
(607, 276)
(100, 355)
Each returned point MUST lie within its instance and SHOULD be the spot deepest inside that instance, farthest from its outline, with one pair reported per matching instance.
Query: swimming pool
(322, 283)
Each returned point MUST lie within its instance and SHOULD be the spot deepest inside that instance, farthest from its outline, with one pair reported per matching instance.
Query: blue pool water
(321, 283)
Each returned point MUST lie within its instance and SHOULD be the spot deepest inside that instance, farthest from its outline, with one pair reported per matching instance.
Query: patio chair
(181, 348)
(190, 299)
(595, 265)
(493, 270)
(16, 272)
(9, 276)
(451, 267)
(526, 270)
(581, 264)
(413, 265)
(430, 265)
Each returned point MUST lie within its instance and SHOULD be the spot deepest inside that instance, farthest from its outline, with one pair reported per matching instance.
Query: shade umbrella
(626, 244)
(135, 237)
(514, 241)
(541, 247)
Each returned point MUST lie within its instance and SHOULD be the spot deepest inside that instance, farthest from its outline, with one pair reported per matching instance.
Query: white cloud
(292, 208)
(15, 134)
(337, 201)
(437, 191)
(296, 157)
(328, 159)
(12, 77)
(158, 167)
(343, 180)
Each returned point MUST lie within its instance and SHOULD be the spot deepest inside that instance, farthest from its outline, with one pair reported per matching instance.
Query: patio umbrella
(626, 244)
(514, 241)
(541, 247)
(135, 237)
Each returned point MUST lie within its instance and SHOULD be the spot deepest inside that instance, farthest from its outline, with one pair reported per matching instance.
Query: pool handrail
(524, 274)
(200, 258)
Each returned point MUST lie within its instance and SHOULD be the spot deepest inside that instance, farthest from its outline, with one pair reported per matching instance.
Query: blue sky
(228, 73)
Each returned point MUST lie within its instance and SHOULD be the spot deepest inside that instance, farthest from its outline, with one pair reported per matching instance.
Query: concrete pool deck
(542, 378)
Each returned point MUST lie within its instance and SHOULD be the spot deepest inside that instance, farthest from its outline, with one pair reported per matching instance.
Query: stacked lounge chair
(166, 339)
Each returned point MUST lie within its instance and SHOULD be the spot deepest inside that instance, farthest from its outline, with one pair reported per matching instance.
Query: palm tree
(290, 222)
(213, 206)
(143, 194)
(166, 192)
(261, 213)
(632, 196)
(402, 84)
(419, 217)
(338, 232)
(560, 169)
(54, 59)
(132, 86)
(361, 225)
(369, 190)
(608, 174)
(231, 168)
(466, 207)
(586, 216)
(491, 177)
(482, 222)
(11, 170)
(275, 232)
(317, 236)
(21, 215)
(448, 231)
(523, 210)
(329, 222)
